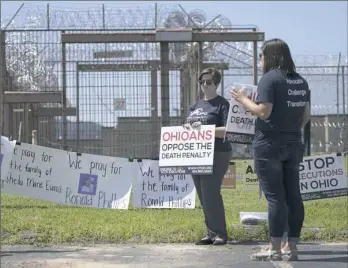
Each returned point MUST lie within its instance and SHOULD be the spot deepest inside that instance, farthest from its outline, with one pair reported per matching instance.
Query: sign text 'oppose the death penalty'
(187, 151)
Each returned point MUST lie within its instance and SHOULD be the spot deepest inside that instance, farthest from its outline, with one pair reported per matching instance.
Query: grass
(58, 224)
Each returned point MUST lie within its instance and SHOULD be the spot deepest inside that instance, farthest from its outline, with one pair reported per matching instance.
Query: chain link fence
(113, 90)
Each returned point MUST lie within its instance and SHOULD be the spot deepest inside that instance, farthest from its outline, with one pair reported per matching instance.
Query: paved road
(166, 255)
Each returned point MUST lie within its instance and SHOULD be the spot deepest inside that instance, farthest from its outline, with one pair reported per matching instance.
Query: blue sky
(309, 27)
(312, 28)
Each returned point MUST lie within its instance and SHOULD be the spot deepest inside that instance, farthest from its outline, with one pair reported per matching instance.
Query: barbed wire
(33, 57)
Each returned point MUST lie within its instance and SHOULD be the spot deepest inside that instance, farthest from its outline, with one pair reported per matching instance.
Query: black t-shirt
(211, 112)
(289, 95)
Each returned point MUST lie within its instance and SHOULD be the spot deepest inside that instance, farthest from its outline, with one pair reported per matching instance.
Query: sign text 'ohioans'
(240, 127)
(323, 177)
(187, 151)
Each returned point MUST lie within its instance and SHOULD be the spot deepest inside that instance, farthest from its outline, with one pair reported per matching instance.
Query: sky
(310, 28)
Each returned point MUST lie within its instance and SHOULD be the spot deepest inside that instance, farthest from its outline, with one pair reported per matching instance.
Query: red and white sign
(187, 151)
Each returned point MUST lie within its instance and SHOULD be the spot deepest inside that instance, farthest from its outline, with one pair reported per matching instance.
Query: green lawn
(61, 224)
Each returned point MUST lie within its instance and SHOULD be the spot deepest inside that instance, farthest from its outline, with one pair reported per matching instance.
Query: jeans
(209, 193)
(277, 168)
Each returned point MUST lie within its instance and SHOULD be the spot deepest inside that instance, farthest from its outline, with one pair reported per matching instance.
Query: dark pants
(208, 189)
(277, 168)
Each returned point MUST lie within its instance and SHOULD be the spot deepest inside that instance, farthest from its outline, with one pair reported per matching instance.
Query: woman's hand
(186, 126)
(238, 95)
(196, 125)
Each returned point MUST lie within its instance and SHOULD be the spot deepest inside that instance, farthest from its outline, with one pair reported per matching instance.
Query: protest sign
(187, 151)
(152, 190)
(69, 178)
(320, 177)
(240, 127)
(229, 180)
(323, 177)
(251, 182)
(6, 153)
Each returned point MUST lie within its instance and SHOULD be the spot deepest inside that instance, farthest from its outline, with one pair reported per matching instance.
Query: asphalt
(167, 255)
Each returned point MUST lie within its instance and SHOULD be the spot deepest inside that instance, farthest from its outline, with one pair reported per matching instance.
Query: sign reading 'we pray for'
(89, 180)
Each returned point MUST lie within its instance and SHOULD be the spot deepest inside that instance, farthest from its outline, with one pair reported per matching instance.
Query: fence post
(255, 60)
(165, 102)
(2, 79)
(34, 137)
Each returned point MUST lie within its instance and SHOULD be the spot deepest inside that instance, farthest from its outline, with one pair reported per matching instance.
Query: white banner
(68, 178)
(187, 151)
(6, 153)
(323, 177)
(240, 127)
(151, 190)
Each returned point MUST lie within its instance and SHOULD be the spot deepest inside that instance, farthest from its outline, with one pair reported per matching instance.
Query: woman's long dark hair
(276, 55)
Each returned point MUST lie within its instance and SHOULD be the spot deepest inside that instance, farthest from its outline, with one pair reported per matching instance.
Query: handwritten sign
(101, 181)
(152, 190)
(323, 177)
(229, 180)
(6, 153)
(240, 127)
(67, 178)
(187, 151)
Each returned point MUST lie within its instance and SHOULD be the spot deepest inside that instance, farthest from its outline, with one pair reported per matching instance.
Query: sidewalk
(166, 255)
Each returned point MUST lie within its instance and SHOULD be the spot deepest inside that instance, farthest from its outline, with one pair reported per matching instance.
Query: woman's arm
(220, 132)
(307, 115)
(262, 110)
(263, 105)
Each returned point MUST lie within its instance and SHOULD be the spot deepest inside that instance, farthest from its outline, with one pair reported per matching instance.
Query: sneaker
(267, 255)
(204, 241)
(290, 253)
(219, 242)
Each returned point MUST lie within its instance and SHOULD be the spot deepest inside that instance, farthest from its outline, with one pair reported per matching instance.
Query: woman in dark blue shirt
(282, 108)
(212, 110)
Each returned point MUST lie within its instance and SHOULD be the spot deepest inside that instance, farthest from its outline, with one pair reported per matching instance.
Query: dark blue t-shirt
(289, 95)
(211, 112)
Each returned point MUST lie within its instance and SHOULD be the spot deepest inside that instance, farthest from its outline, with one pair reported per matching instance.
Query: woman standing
(282, 108)
(212, 110)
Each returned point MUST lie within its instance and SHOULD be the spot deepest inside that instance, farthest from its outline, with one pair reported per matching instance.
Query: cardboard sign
(152, 190)
(68, 178)
(6, 153)
(229, 180)
(240, 127)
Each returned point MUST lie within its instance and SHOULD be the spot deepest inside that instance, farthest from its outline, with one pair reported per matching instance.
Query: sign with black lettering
(240, 127)
(6, 152)
(152, 190)
(69, 178)
(251, 182)
(320, 177)
(187, 151)
(323, 177)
